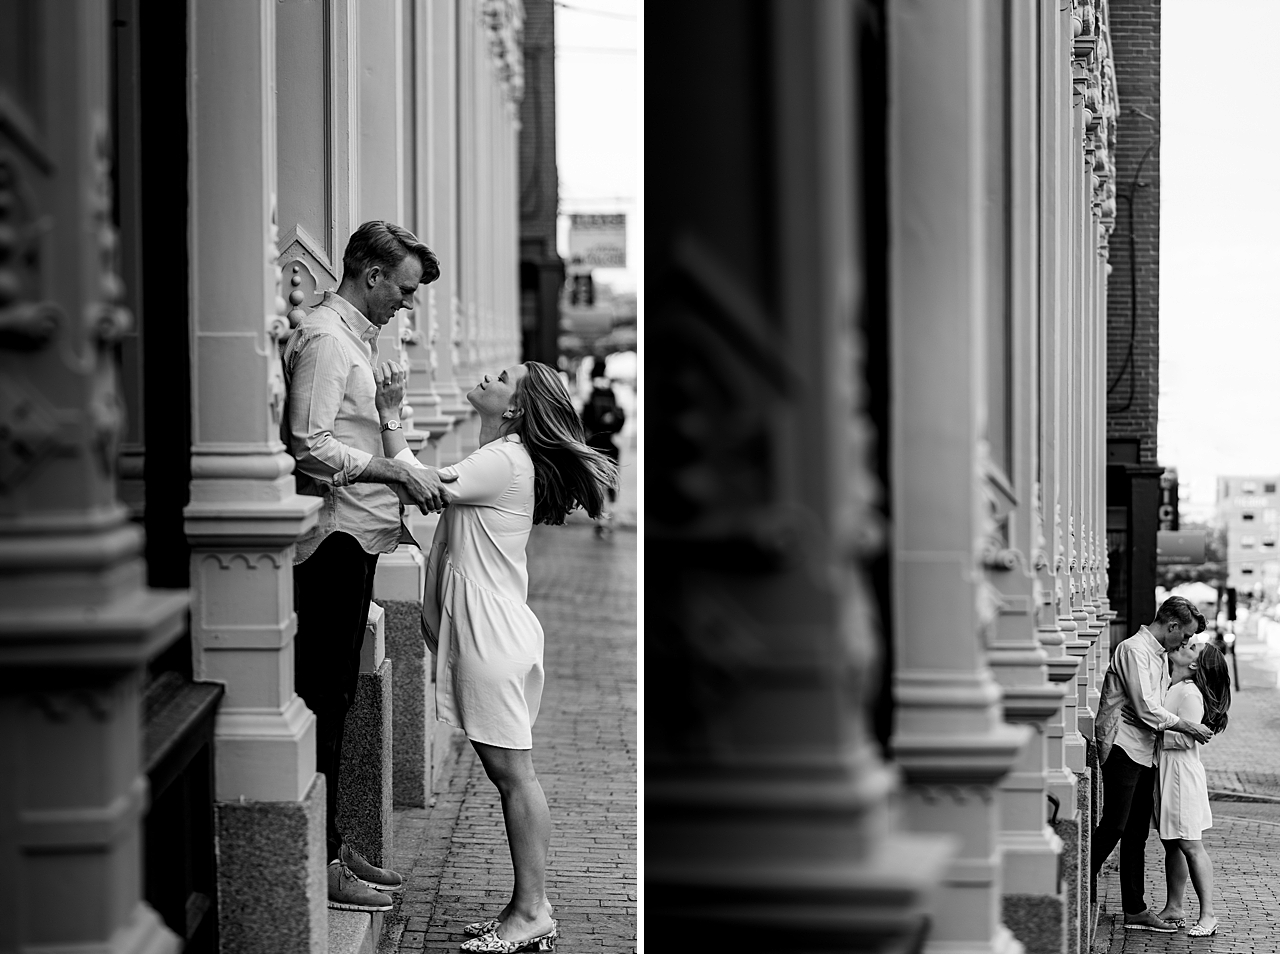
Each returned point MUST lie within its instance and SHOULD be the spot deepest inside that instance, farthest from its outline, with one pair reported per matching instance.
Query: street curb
(1219, 795)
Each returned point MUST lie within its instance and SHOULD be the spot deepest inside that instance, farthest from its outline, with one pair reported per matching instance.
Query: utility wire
(599, 13)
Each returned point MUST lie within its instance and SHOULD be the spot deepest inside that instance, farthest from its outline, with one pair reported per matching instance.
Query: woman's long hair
(1214, 683)
(566, 472)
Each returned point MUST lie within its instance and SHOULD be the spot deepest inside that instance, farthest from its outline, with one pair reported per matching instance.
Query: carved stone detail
(25, 324)
(504, 21)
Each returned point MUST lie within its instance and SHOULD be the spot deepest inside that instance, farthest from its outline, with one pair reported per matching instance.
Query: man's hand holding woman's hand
(423, 486)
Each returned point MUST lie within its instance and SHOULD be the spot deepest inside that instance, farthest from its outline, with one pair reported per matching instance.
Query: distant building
(541, 268)
(1249, 509)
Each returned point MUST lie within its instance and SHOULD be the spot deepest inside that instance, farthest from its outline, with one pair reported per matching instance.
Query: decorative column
(1065, 746)
(422, 343)
(949, 736)
(442, 187)
(767, 812)
(77, 623)
(1033, 902)
(244, 514)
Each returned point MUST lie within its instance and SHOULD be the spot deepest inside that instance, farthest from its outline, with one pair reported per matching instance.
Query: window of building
(1248, 486)
(1248, 541)
(1269, 488)
(1246, 517)
(1246, 569)
(1269, 515)
(1269, 541)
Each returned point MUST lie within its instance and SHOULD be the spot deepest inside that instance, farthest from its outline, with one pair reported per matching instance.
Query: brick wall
(539, 187)
(1133, 290)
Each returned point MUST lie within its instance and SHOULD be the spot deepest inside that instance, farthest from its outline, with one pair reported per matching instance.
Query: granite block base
(364, 789)
(272, 889)
(411, 697)
(1038, 921)
(1085, 799)
(1074, 878)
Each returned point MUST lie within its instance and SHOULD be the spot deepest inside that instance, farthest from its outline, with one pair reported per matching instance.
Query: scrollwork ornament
(25, 324)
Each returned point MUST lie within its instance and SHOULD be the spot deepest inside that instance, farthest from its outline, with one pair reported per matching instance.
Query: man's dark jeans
(1128, 798)
(331, 593)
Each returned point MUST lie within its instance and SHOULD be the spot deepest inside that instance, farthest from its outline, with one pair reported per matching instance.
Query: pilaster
(77, 623)
(768, 819)
(244, 515)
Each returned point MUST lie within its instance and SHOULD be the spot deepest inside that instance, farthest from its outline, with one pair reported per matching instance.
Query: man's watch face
(391, 426)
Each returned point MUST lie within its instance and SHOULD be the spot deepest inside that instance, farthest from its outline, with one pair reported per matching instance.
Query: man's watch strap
(391, 425)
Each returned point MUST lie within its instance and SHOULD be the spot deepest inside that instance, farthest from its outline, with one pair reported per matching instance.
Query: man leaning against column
(334, 432)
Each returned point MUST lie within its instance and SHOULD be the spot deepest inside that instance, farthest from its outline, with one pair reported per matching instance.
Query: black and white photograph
(486, 476)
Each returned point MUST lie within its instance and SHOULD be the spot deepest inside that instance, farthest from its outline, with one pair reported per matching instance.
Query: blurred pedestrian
(602, 418)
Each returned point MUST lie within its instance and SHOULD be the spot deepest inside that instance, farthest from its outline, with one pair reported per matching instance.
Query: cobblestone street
(1242, 763)
(454, 853)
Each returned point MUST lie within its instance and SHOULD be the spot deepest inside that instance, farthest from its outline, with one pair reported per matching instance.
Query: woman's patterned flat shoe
(492, 944)
(479, 928)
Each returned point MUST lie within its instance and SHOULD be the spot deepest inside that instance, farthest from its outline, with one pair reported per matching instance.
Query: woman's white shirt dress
(488, 643)
(1182, 795)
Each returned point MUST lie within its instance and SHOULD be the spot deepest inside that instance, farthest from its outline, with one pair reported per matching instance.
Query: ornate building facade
(876, 496)
(177, 185)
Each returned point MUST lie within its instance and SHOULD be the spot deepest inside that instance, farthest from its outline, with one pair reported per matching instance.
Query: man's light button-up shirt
(332, 426)
(1142, 664)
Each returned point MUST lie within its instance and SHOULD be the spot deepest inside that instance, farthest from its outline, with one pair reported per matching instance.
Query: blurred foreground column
(77, 623)
(245, 515)
(767, 805)
(945, 150)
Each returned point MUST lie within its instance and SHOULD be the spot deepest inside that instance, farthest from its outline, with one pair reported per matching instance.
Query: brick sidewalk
(455, 853)
(1246, 758)
(1246, 862)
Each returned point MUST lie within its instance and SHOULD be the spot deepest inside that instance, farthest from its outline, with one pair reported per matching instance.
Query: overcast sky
(1220, 242)
(597, 118)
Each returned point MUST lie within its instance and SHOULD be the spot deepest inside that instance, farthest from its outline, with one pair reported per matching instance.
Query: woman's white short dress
(487, 642)
(1182, 793)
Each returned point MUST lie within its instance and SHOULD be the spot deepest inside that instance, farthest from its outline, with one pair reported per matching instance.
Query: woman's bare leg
(528, 822)
(1175, 881)
(1201, 866)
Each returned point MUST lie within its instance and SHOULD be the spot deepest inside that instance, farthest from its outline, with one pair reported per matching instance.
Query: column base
(1031, 861)
(1038, 921)
(876, 904)
(144, 934)
(272, 884)
(364, 794)
(401, 574)
(1002, 942)
(265, 755)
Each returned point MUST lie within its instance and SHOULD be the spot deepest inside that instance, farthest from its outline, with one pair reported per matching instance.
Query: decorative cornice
(504, 20)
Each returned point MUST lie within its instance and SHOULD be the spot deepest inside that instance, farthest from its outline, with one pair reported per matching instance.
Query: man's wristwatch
(391, 425)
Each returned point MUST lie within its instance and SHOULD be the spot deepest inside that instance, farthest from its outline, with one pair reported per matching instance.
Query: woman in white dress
(1200, 691)
(532, 466)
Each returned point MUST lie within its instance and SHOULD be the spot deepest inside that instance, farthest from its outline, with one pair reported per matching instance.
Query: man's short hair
(382, 243)
(1181, 610)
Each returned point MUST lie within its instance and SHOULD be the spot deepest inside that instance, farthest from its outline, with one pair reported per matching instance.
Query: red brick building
(1133, 319)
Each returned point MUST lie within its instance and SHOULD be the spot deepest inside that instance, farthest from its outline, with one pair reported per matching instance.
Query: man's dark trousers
(331, 593)
(1128, 798)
